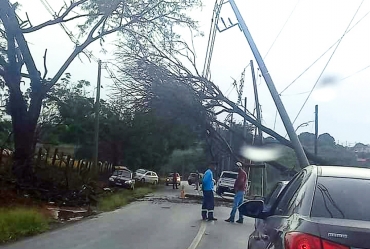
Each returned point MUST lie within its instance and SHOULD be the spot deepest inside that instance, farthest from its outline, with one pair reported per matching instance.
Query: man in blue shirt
(208, 197)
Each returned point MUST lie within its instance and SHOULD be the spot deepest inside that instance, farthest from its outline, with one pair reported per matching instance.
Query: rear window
(229, 175)
(342, 198)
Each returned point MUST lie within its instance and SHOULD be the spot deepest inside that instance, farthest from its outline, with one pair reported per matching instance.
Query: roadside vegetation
(121, 198)
(16, 223)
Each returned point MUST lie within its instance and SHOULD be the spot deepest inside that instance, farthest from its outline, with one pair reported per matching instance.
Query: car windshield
(124, 173)
(141, 171)
(229, 175)
(339, 198)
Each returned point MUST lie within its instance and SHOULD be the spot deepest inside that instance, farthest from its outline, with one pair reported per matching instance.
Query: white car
(144, 175)
(226, 182)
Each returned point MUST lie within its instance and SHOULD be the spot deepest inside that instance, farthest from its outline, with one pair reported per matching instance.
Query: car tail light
(297, 240)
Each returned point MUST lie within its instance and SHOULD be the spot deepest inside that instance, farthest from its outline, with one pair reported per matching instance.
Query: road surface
(154, 223)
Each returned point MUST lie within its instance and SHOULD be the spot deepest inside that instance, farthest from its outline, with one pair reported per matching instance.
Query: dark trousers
(208, 205)
(174, 185)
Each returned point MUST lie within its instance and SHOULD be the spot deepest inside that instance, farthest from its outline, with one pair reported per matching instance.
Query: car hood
(125, 178)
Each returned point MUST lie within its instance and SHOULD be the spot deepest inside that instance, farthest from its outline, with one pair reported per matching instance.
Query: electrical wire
(359, 71)
(327, 63)
(212, 38)
(309, 67)
(282, 28)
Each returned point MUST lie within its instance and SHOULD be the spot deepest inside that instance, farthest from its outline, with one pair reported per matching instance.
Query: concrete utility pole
(316, 126)
(302, 158)
(231, 139)
(245, 121)
(258, 110)
(97, 110)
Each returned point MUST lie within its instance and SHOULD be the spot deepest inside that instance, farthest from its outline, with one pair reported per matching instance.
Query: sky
(295, 32)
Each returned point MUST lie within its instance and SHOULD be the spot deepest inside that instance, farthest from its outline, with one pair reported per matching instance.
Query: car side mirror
(253, 208)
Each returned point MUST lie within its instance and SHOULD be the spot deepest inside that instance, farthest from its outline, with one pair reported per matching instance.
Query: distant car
(146, 176)
(122, 178)
(226, 182)
(169, 179)
(323, 207)
(192, 176)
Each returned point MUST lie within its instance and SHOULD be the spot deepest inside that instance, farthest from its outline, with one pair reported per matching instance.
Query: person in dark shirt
(174, 181)
(208, 205)
(197, 178)
(240, 187)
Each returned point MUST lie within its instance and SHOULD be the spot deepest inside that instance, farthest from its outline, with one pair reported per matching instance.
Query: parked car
(192, 176)
(122, 178)
(323, 207)
(147, 176)
(226, 182)
(169, 179)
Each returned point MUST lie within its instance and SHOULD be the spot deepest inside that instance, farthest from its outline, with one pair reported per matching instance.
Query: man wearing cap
(208, 205)
(240, 187)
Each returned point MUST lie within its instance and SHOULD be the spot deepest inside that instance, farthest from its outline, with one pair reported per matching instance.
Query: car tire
(189, 183)
(142, 180)
(219, 192)
(155, 182)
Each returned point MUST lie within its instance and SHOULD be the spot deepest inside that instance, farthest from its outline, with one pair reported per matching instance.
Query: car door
(148, 177)
(155, 176)
(267, 230)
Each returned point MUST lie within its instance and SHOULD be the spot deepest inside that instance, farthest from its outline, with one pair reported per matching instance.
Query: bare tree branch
(58, 19)
(45, 67)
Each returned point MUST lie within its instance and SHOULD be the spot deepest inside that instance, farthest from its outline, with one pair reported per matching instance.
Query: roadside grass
(16, 223)
(122, 198)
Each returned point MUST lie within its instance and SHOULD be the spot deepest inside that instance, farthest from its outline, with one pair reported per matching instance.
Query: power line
(326, 65)
(282, 28)
(309, 67)
(212, 38)
(359, 71)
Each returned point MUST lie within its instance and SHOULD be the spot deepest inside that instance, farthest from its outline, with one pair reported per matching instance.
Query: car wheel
(142, 180)
(219, 192)
(189, 183)
(155, 182)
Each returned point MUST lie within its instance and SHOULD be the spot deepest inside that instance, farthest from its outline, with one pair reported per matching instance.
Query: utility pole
(316, 126)
(97, 110)
(245, 121)
(302, 158)
(258, 110)
(231, 139)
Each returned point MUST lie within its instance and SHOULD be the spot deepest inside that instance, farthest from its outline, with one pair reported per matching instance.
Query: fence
(57, 159)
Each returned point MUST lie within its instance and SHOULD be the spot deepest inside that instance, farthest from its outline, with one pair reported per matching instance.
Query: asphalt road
(153, 223)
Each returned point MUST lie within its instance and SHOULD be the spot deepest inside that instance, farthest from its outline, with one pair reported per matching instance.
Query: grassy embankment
(19, 222)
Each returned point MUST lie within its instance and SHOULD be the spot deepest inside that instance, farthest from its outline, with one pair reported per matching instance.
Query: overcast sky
(312, 28)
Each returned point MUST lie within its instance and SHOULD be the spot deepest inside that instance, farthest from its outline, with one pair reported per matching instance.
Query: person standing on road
(197, 178)
(240, 187)
(208, 205)
(174, 181)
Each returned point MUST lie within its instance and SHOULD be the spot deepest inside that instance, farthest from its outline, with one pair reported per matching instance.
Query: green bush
(121, 198)
(20, 222)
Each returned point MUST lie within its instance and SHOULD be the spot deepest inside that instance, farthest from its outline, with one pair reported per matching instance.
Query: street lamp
(303, 125)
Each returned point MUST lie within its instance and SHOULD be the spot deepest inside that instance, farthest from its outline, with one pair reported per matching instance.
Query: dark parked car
(192, 176)
(322, 207)
(122, 178)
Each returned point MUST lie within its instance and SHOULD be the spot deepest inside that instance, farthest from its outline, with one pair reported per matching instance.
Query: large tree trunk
(24, 126)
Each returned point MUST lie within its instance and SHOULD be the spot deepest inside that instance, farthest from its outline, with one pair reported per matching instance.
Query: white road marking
(199, 236)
